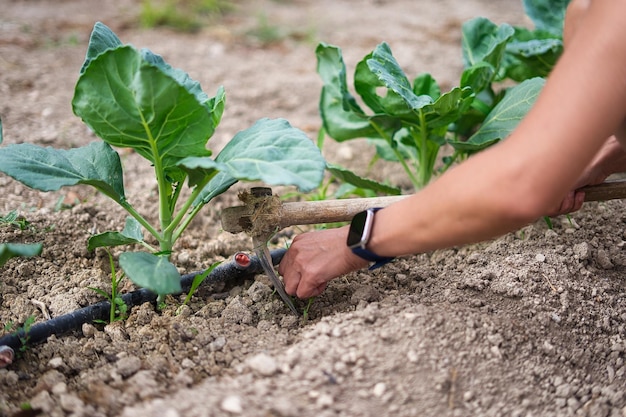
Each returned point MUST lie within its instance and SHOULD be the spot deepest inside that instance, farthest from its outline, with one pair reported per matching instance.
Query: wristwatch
(359, 235)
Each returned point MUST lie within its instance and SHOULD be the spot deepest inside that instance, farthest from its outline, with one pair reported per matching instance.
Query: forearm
(528, 174)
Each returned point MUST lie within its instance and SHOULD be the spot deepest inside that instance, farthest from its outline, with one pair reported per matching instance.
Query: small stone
(603, 259)
(232, 404)
(56, 363)
(187, 364)
(540, 257)
(263, 364)
(218, 344)
(582, 251)
(379, 389)
(468, 396)
(325, 400)
(128, 365)
(412, 356)
(70, 402)
(89, 330)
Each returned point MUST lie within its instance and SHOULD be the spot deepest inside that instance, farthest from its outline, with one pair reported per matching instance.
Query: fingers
(315, 258)
(572, 202)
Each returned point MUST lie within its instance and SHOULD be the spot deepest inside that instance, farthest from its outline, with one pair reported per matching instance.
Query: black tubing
(100, 311)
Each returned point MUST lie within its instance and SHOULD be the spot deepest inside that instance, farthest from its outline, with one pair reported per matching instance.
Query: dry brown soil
(530, 324)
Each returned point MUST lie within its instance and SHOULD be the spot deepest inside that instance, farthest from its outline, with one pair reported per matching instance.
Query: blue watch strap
(372, 257)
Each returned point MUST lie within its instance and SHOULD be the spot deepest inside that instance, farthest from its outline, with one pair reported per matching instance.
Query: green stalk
(165, 212)
(424, 166)
(398, 155)
(131, 210)
(175, 227)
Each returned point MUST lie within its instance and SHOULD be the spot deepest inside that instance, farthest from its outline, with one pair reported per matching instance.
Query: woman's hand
(314, 258)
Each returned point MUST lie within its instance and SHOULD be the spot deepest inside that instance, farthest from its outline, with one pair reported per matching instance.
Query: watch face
(356, 235)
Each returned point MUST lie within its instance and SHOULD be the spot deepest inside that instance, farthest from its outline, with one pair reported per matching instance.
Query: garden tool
(263, 214)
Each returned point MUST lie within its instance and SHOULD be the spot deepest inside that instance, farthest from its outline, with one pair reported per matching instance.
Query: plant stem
(179, 223)
(131, 210)
(165, 190)
(424, 166)
(398, 155)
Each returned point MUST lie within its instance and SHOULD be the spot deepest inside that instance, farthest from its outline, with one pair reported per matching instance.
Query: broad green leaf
(131, 234)
(504, 117)
(133, 102)
(271, 151)
(425, 84)
(342, 117)
(154, 272)
(48, 169)
(102, 39)
(532, 58)
(547, 14)
(483, 40)
(350, 177)
(383, 64)
(478, 77)
(447, 108)
(12, 250)
(368, 85)
(218, 185)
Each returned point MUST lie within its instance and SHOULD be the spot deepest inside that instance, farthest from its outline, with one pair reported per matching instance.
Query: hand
(315, 258)
(610, 159)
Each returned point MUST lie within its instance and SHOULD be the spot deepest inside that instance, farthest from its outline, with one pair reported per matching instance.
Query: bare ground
(529, 324)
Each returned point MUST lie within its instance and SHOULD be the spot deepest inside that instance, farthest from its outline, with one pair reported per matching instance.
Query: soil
(532, 323)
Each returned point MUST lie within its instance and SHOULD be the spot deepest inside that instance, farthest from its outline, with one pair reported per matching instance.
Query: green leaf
(547, 14)
(48, 169)
(131, 234)
(154, 272)
(102, 39)
(482, 40)
(388, 71)
(130, 99)
(425, 84)
(11, 250)
(218, 185)
(342, 117)
(271, 151)
(530, 56)
(504, 117)
(350, 177)
(478, 77)
(368, 85)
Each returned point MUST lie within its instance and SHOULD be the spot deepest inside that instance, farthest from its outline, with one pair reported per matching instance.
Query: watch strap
(372, 257)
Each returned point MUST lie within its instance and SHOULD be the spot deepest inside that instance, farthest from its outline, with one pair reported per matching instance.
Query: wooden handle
(610, 190)
(242, 218)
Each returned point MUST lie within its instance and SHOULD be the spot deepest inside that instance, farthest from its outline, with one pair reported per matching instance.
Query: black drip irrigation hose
(242, 266)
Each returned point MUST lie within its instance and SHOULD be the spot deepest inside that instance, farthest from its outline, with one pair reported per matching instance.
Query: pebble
(379, 389)
(56, 363)
(324, 400)
(232, 404)
(128, 365)
(263, 364)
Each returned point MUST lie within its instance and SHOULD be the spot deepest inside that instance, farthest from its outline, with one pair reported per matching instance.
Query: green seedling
(132, 98)
(119, 309)
(305, 311)
(409, 122)
(197, 280)
(14, 219)
(23, 330)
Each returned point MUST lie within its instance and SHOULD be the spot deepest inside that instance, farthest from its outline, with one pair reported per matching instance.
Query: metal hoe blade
(263, 253)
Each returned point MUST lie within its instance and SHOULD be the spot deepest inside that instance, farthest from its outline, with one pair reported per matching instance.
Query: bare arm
(510, 184)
